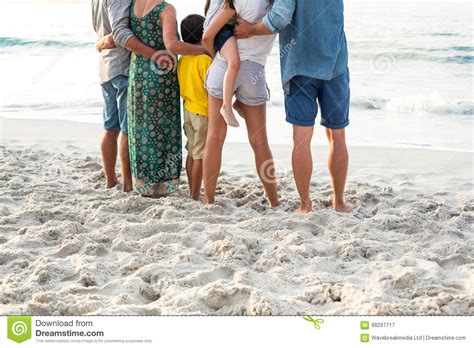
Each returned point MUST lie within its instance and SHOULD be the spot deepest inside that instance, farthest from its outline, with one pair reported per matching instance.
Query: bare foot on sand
(209, 201)
(343, 208)
(128, 187)
(229, 116)
(274, 205)
(111, 183)
(200, 198)
(306, 207)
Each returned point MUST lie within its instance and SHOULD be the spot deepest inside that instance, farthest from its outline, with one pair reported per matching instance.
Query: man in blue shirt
(314, 70)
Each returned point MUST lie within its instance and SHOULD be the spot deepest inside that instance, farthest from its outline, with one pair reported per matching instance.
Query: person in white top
(252, 95)
(219, 38)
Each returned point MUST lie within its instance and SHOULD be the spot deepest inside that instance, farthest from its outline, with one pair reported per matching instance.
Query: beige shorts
(195, 128)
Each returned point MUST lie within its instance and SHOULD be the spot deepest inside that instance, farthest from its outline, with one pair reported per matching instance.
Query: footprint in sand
(454, 261)
(149, 293)
(69, 247)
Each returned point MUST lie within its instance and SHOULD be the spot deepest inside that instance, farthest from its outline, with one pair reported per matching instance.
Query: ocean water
(411, 71)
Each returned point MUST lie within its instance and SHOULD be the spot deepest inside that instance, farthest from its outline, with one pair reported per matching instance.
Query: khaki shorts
(195, 128)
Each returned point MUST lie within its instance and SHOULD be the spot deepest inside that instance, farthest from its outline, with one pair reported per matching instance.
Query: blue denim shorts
(223, 36)
(333, 96)
(115, 104)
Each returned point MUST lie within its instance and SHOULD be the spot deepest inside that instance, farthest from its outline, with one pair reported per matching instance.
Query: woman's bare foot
(306, 207)
(343, 207)
(229, 116)
(209, 201)
(127, 187)
(200, 198)
(274, 204)
(111, 183)
(197, 198)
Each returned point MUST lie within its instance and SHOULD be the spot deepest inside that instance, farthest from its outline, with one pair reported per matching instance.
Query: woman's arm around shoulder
(170, 35)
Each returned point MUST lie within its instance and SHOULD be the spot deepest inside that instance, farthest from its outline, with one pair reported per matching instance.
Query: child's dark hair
(228, 3)
(192, 28)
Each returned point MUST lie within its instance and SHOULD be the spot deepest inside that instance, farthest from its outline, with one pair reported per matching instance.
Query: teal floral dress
(154, 115)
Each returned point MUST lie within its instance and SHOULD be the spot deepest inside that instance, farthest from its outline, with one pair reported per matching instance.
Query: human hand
(98, 46)
(243, 29)
(106, 43)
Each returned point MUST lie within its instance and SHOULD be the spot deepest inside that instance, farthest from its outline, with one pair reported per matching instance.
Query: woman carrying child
(250, 89)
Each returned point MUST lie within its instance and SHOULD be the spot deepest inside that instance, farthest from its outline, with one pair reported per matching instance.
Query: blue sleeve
(280, 16)
(119, 17)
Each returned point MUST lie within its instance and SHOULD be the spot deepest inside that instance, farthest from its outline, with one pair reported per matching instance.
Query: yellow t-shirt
(192, 71)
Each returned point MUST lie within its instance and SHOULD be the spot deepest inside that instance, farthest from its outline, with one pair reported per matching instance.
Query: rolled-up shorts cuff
(301, 123)
(335, 126)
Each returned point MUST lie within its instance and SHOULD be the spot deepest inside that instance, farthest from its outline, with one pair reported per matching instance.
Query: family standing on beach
(143, 82)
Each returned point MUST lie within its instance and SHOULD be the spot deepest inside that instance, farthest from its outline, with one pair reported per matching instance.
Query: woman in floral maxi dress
(154, 104)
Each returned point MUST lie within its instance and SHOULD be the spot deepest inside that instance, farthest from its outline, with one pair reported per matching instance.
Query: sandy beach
(70, 247)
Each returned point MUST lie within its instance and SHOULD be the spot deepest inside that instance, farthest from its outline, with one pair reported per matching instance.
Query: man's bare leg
(189, 173)
(303, 164)
(109, 157)
(338, 166)
(125, 163)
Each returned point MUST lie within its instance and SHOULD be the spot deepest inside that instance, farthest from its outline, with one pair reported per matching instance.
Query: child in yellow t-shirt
(192, 71)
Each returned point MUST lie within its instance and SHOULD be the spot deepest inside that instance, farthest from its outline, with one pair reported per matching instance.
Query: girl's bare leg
(230, 53)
